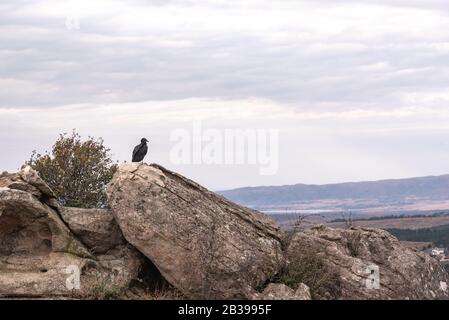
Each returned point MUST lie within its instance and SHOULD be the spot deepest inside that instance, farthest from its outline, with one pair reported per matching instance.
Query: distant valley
(415, 210)
(364, 199)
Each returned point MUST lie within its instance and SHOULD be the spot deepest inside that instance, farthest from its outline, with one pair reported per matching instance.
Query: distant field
(400, 223)
(414, 232)
(438, 235)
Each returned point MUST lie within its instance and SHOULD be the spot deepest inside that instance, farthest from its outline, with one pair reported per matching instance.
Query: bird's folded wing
(136, 149)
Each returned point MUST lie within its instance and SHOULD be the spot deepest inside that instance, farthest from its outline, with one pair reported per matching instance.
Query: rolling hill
(424, 193)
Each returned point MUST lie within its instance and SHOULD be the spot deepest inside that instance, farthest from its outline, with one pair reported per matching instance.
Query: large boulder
(203, 244)
(96, 228)
(364, 263)
(39, 254)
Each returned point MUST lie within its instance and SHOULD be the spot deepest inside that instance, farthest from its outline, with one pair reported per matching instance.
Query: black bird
(140, 151)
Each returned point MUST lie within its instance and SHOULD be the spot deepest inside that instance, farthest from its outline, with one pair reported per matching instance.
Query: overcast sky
(359, 90)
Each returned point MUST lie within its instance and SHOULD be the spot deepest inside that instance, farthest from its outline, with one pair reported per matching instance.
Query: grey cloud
(299, 64)
(99, 64)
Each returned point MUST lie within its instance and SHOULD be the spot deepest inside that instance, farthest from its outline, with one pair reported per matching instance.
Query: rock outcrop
(203, 244)
(96, 228)
(39, 254)
(370, 264)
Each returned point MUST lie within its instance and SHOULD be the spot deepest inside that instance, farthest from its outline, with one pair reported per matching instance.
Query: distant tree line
(438, 235)
(442, 213)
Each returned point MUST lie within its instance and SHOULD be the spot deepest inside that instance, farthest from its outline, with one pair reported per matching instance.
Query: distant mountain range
(359, 195)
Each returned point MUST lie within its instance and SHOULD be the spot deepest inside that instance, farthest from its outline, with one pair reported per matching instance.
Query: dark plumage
(140, 151)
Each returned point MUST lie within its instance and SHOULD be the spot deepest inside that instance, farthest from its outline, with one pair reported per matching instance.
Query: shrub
(76, 170)
(303, 264)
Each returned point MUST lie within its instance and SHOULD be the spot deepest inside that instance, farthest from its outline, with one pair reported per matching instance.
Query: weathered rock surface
(39, 253)
(203, 244)
(96, 228)
(28, 180)
(279, 291)
(357, 255)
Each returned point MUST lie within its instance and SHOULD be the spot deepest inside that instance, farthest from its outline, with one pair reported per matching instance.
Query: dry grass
(157, 294)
